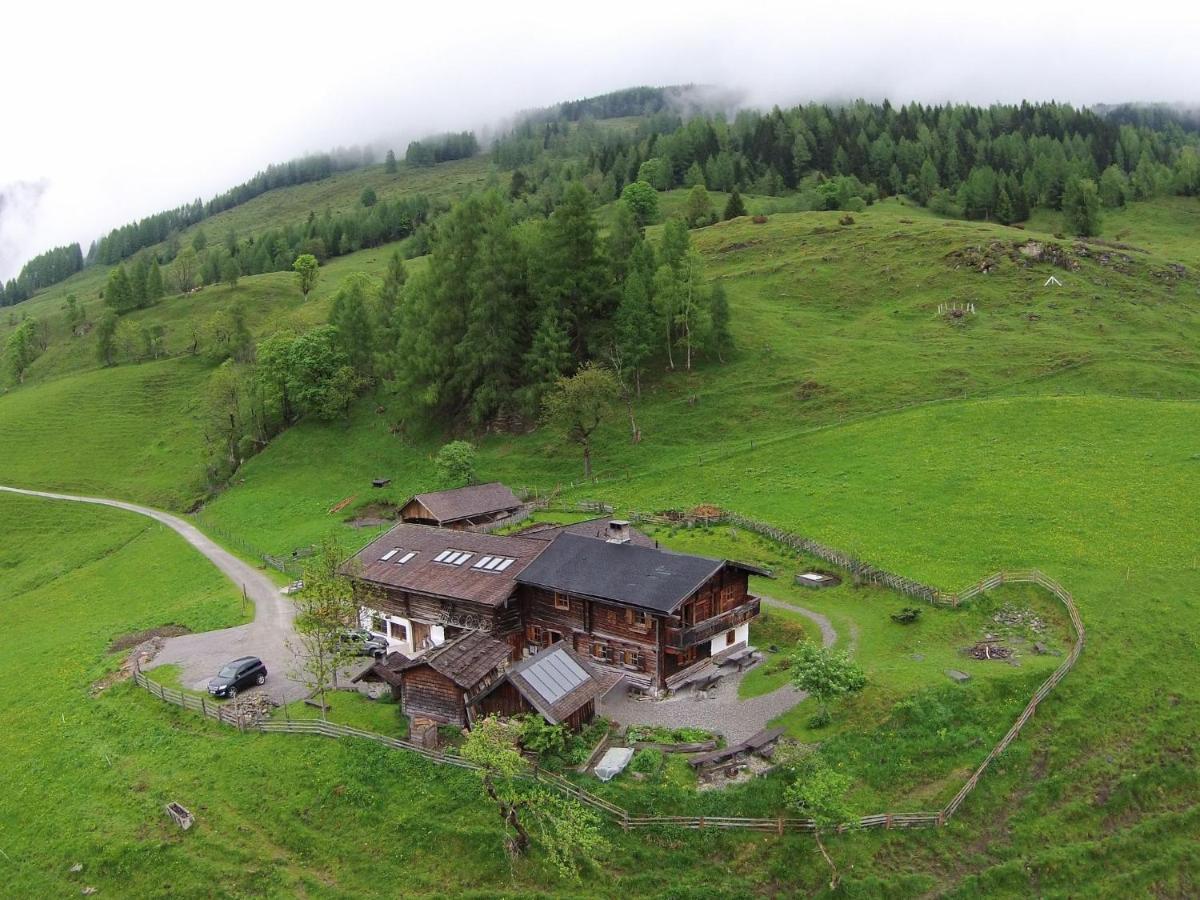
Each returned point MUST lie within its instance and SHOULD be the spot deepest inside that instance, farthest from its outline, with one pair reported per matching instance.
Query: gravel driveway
(199, 656)
(720, 712)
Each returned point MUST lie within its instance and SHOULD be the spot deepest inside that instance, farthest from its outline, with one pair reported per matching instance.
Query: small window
(535, 634)
(453, 557)
(599, 651)
(633, 659)
(561, 601)
(729, 638)
(638, 619)
(443, 556)
(398, 632)
(406, 557)
(482, 562)
(505, 564)
(389, 554)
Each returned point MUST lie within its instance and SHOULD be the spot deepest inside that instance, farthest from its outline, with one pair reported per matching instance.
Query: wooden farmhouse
(461, 508)
(652, 616)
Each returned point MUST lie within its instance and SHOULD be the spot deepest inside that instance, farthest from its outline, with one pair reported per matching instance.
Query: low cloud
(308, 79)
(19, 203)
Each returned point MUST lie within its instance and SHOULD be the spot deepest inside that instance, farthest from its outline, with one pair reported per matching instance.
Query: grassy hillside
(277, 208)
(1054, 427)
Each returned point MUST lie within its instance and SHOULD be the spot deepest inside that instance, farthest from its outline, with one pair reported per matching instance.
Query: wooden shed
(460, 508)
(557, 683)
(436, 684)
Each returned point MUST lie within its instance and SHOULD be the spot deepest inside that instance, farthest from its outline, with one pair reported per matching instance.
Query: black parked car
(364, 643)
(241, 673)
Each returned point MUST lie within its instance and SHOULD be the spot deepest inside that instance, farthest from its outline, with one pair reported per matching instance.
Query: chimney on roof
(618, 531)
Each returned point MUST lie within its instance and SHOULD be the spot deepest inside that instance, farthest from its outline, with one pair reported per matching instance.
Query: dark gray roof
(649, 578)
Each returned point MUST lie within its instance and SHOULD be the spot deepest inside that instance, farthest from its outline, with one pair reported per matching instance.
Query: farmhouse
(461, 508)
(649, 615)
(653, 615)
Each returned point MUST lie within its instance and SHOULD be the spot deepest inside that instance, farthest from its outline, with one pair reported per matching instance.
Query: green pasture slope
(1056, 427)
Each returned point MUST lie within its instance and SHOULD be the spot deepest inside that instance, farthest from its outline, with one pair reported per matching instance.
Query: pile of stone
(1014, 617)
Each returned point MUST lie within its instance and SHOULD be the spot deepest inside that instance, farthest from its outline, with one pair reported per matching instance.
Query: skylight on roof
(453, 557)
(406, 557)
(389, 554)
(493, 563)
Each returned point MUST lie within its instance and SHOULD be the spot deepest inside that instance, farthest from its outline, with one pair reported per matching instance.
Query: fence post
(203, 708)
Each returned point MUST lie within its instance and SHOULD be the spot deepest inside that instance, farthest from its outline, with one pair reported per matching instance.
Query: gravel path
(720, 711)
(199, 656)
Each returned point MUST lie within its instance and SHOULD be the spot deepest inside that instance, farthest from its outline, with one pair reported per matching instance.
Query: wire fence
(288, 565)
(247, 719)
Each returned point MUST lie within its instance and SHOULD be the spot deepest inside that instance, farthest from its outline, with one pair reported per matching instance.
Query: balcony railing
(683, 637)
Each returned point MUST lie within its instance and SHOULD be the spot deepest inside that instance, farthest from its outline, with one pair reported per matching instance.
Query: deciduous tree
(643, 200)
(455, 463)
(307, 270)
(825, 674)
(567, 832)
(580, 404)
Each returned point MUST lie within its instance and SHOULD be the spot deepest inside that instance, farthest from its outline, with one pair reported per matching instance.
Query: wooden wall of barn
(429, 694)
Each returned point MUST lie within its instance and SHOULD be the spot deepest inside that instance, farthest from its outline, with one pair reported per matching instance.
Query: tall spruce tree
(118, 293)
(734, 206)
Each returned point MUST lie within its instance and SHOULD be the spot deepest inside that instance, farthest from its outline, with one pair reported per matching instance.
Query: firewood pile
(989, 649)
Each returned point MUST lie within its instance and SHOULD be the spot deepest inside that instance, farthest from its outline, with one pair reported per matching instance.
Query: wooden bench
(758, 743)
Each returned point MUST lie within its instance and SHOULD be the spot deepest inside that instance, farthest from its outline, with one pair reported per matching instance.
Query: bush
(540, 736)
(648, 761)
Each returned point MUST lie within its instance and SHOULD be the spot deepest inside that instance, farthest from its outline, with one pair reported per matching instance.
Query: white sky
(113, 111)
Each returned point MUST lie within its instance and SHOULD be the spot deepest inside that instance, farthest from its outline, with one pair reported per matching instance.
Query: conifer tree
(1081, 207)
(389, 163)
(718, 313)
(118, 294)
(154, 283)
(734, 207)
(138, 276)
(548, 359)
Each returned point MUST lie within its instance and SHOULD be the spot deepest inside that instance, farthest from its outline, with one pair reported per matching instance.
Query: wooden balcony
(680, 638)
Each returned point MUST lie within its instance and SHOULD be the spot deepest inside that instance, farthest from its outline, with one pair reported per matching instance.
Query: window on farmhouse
(562, 601)
(728, 597)
(399, 632)
(535, 635)
(599, 651)
(638, 619)
(633, 659)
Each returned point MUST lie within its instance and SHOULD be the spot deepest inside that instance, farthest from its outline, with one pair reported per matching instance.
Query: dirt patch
(142, 654)
(738, 245)
(126, 641)
(370, 515)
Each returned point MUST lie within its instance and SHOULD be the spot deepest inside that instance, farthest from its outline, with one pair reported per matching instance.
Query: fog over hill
(146, 110)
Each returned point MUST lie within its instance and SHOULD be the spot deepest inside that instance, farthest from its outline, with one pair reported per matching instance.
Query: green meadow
(1055, 427)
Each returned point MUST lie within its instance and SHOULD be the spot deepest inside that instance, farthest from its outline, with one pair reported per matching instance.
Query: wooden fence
(244, 720)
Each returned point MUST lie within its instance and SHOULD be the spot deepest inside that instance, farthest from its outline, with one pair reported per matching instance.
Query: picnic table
(758, 743)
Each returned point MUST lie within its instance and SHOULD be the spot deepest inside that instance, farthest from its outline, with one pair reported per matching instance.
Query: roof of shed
(653, 579)
(557, 681)
(465, 660)
(467, 502)
(421, 574)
